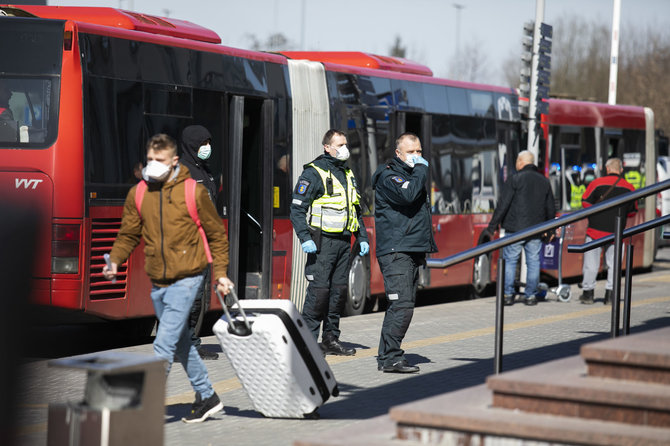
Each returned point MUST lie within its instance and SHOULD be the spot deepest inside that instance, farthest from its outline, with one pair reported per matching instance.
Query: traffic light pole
(533, 116)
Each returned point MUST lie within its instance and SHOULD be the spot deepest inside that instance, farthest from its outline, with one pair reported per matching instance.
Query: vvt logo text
(27, 183)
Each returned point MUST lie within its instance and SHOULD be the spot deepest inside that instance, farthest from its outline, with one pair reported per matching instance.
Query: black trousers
(203, 294)
(327, 273)
(401, 278)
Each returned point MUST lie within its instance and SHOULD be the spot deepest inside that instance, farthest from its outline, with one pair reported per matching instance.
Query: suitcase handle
(236, 327)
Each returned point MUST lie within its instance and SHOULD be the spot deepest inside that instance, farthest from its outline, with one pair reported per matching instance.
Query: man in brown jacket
(174, 260)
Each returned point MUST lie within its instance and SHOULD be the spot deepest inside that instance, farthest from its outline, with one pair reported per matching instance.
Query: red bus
(578, 138)
(91, 85)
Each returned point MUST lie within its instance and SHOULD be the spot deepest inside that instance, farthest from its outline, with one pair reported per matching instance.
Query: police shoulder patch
(398, 179)
(302, 187)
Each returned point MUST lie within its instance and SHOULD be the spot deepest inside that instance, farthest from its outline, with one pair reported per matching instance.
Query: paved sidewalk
(452, 343)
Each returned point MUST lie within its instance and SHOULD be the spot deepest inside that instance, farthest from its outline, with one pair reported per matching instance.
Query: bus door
(250, 195)
(419, 124)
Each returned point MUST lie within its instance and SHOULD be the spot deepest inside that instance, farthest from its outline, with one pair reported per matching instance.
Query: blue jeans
(173, 307)
(511, 255)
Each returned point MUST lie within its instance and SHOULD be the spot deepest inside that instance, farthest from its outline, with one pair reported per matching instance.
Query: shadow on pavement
(362, 403)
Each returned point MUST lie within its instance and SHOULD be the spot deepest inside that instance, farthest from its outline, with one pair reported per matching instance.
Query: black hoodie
(192, 138)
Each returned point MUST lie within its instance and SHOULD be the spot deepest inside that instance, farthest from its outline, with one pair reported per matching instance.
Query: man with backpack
(177, 245)
(601, 225)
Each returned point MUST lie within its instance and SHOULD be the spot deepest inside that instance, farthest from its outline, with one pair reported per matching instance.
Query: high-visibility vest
(576, 193)
(337, 212)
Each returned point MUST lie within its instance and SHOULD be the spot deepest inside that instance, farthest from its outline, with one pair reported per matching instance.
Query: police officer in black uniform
(325, 212)
(404, 236)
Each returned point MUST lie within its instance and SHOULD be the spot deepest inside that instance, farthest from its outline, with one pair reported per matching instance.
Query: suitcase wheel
(313, 416)
(336, 391)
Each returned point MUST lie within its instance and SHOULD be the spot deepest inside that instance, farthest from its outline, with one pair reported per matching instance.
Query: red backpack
(189, 195)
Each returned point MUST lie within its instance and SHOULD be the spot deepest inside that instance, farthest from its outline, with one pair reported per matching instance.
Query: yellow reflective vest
(336, 212)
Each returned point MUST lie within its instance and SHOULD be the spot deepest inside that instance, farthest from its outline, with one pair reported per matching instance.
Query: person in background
(526, 200)
(196, 150)
(601, 225)
(174, 260)
(404, 236)
(325, 212)
(5, 96)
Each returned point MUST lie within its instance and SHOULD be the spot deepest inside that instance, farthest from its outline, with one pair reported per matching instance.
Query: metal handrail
(599, 243)
(543, 228)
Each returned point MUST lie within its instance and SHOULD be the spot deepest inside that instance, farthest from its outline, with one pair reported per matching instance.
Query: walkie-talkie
(329, 186)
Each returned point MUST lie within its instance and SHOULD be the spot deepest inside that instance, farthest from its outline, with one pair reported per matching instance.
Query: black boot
(332, 346)
(608, 297)
(586, 297)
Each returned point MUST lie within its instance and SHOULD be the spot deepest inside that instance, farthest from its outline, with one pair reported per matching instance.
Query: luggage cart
(562, 290)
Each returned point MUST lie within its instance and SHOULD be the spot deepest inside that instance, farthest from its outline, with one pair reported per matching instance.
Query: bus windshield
(30, 82)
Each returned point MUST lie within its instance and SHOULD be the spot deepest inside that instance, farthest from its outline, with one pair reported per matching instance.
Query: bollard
(124, 402)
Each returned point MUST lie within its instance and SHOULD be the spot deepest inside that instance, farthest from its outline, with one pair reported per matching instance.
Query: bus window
(465, 165)
(26, 113)
(481, 103)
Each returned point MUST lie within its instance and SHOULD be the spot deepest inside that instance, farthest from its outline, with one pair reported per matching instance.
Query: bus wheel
(481, 276)
(358, 294)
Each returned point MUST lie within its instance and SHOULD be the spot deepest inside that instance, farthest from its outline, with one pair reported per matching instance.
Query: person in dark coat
(526, 200)
(196, 149)
(403, 237)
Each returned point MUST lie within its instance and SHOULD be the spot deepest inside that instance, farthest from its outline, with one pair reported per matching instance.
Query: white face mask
(156, 171)
(342, 153)
(205, 151)
(410, 160)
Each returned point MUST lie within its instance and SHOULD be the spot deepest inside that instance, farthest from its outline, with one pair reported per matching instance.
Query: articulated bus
(579, 137)
(91, 85)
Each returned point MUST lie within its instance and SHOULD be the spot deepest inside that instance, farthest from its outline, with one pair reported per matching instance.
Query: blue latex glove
(420, 160)
(365, 248)
(309, 247)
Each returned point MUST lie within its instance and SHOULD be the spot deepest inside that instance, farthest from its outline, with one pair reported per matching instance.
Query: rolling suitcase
(276, 358)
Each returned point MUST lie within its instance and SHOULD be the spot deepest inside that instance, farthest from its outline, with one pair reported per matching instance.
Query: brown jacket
(173, 246)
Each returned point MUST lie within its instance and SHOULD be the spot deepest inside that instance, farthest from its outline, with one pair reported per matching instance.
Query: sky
(431, 30)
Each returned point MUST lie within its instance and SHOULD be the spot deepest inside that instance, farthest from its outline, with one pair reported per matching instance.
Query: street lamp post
(458, 7)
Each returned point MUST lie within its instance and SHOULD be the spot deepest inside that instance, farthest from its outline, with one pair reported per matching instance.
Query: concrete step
(563, 388)
(644, 357)
(378, 431)
(467, 417)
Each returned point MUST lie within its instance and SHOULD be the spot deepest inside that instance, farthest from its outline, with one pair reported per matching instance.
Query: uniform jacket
(402, 210)
(173, 246)
(526, 200)
(310, 187)
(602, 224)
(191, 139)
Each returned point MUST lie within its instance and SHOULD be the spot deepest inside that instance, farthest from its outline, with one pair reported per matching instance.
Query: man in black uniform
(325, 212)
(404, 236)
(195, 151)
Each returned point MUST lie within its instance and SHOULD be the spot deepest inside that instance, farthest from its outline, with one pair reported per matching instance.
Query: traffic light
(543, 68)
(526, 65)
(535, 73)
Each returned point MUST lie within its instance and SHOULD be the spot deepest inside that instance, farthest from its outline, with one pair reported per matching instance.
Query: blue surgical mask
(205, 151)
(410, 160)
